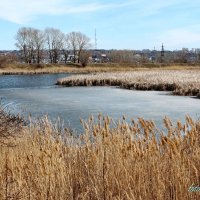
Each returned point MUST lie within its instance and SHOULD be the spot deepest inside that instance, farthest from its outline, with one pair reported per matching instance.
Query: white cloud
(178, 38)
(156, 6)
(22, 11)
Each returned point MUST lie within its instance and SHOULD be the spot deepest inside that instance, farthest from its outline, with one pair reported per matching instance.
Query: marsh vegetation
(179, 82)
(126, 159)
(110, 160)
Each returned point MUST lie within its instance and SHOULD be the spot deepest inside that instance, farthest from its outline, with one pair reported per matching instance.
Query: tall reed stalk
(108, 161)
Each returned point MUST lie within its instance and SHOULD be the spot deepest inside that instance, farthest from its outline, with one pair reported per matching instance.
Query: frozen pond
(37, 94)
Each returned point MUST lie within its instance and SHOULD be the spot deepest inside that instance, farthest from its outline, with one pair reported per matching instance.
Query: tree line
(34, 44)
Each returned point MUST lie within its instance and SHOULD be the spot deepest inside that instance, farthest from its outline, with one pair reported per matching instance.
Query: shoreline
(168, 78)
(23, 69)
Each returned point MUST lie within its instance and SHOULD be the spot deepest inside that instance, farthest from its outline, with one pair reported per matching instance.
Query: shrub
(84, 58)
(7, 59)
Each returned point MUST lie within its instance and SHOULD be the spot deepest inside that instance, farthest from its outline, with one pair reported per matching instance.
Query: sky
(119, 24)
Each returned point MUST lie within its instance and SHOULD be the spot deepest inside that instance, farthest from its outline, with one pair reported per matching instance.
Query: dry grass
(180, 82)
(108, 161)
(92, 68)
(56, 68)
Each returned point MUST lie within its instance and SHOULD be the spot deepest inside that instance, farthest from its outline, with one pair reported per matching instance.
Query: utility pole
(162, 54)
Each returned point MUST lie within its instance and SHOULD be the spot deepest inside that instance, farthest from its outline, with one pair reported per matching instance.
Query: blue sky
(120, 24)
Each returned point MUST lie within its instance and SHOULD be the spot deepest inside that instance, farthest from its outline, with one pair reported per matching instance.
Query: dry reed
(61, 68)
(108, 161)
(184, 82)
(18, 68)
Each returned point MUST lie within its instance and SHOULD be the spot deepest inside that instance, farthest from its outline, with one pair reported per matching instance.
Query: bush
(7, 59)
(84, 58)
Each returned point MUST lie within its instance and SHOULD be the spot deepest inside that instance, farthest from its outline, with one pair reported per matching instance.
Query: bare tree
(78, 42)
(55, 42)
(38, 43)
(22, 42)
(83, 42)
(30, 45)
(71, 38)
(30, 41)
(66, 48)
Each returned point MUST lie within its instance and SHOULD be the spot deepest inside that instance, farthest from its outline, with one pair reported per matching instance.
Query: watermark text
(194, 188)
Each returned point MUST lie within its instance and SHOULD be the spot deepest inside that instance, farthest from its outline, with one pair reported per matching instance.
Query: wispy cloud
(177, 38)
(23, 11)
(156, 6)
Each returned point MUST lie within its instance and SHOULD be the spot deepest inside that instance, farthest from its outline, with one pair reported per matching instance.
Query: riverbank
(15, 69)
(179, 82)
(120, 161)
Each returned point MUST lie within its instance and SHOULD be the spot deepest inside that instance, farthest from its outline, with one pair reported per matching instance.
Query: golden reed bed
(179, 82)
(130, 161)
(15, 69)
